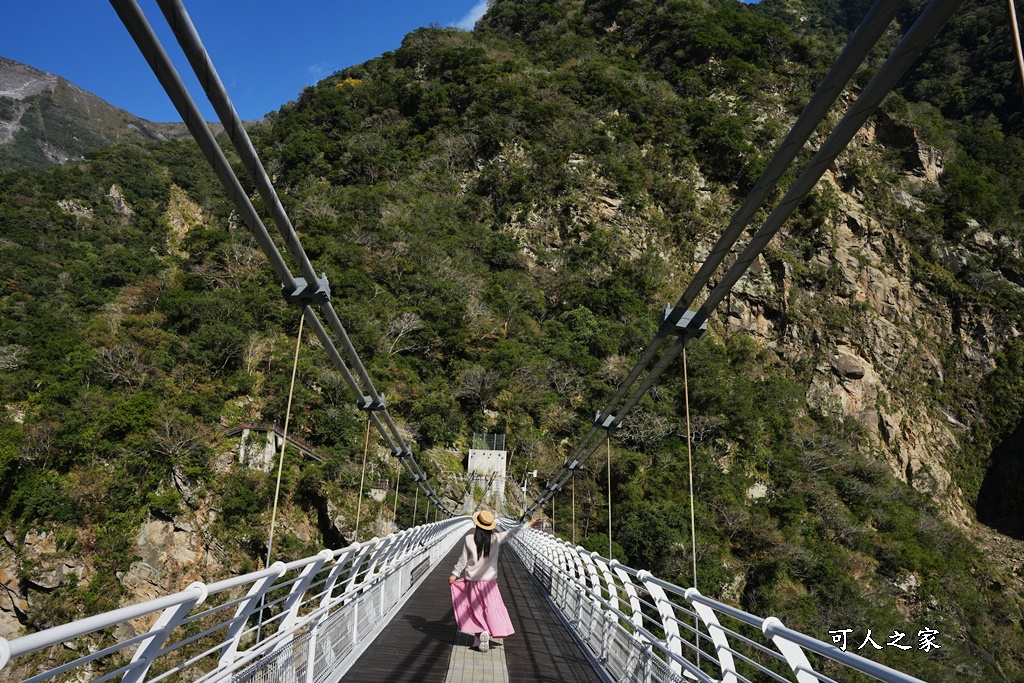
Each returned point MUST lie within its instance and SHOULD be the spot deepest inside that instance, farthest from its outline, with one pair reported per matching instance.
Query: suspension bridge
(381, 609)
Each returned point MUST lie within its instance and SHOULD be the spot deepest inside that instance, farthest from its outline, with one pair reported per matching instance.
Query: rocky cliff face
(887, 335)
(876, 337)
(46, 120)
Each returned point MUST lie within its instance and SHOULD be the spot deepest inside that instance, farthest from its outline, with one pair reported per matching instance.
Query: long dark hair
(482, 539)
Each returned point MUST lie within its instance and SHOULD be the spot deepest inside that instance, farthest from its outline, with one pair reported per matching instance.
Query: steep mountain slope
(46, 120)
(502, 215)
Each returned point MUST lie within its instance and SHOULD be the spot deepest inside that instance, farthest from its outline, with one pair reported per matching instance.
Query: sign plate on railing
(420, 569)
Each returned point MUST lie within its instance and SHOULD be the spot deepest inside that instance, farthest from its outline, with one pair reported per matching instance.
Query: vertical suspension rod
(1016, 41)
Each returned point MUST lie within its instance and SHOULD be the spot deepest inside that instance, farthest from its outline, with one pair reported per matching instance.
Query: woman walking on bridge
(474, 581)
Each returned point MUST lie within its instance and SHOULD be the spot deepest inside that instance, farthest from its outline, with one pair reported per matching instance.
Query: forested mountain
(46, 120)
(502, 215)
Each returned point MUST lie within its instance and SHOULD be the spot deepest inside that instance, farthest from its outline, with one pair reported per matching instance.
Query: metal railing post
(364, 550)
(609, 580)
(717, 634)
(325, 601)
(294, 600)
(591, 571)
(793, 653)
(245, 609)
(170, 618)
(396, 550)
(673, 642)
(608, 617)
(383, 545)
(646, 659)
(634, 599)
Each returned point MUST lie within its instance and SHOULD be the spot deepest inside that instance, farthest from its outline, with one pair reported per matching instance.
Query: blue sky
(265, 52)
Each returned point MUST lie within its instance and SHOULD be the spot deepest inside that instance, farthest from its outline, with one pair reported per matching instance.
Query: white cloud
(320, 70)
(467, 22)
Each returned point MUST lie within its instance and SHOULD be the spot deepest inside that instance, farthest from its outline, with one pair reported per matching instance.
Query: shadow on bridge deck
(417, 646)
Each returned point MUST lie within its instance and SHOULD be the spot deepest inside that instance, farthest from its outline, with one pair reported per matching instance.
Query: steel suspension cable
(362, 478)
(188, 38)
(863, 40)
(857, 49)
(315, 290)
(133, 19)
(284, 439)
(928, 23)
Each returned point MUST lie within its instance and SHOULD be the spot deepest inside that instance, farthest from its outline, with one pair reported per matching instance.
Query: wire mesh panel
(489, 442)
(623, 655)
(261, 626)
(335, 642)
(590, 625)
(644, 630)
(287, 665)
(661, 671)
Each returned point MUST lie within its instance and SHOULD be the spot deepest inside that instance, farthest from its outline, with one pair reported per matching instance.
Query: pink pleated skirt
(478, 607)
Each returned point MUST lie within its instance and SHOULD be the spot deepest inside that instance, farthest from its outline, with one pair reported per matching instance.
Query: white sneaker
(485, 641)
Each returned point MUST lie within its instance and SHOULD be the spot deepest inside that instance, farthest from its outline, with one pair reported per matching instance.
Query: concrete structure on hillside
(257, 449)
(487, 461)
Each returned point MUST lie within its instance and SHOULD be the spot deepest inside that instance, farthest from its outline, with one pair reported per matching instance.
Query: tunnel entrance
(1001, 498)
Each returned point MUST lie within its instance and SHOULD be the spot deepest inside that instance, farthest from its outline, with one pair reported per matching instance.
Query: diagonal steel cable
(310, 289)
(928, 24)
(188, 38)
(864, 39)
(686, 326)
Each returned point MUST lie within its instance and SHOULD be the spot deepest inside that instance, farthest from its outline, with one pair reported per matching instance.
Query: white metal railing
(640, 629)
(304, 621)
(307, 621)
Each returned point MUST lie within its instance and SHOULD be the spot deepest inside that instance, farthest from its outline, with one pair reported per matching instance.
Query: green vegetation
(502, 215)
(63, 122)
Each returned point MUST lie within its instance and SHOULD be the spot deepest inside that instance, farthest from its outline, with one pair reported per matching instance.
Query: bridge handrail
(310, 597)
(598, 600)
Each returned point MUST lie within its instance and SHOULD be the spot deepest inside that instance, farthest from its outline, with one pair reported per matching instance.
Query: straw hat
(485, 520)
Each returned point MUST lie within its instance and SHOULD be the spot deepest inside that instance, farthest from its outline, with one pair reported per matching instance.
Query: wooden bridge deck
(422, 645)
